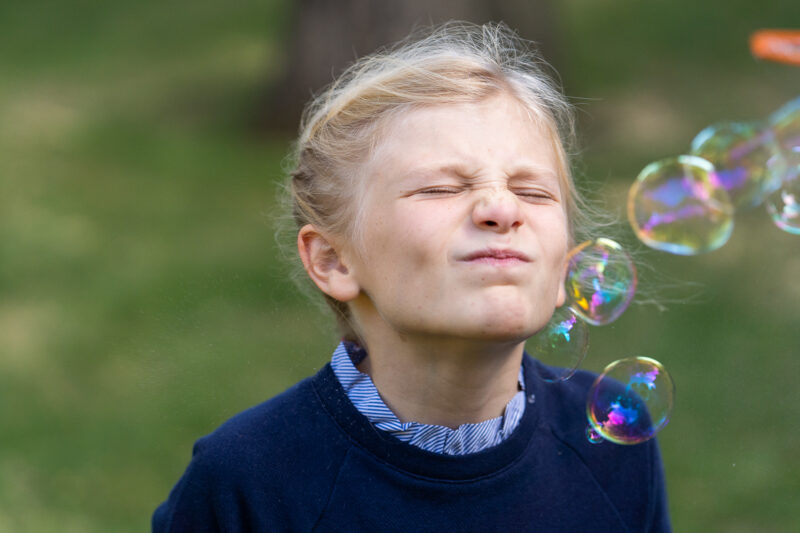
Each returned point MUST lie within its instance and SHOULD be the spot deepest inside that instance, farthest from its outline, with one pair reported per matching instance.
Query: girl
(435, 208)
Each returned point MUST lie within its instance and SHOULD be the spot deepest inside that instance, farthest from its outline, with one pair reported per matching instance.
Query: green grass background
(143, 300)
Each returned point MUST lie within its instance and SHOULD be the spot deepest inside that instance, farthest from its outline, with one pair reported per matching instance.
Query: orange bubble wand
(776, 45)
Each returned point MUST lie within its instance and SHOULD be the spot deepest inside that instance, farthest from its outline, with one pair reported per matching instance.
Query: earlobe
(325, 265)
(562, 295)
(562, 287)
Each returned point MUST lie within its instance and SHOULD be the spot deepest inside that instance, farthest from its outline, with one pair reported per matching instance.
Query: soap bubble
(784, 204)
(747, 161)
(674, 206)
(601, 281)
(785, 123)
(561, 344)
(593, 436)
(631, 400)
(784, 208)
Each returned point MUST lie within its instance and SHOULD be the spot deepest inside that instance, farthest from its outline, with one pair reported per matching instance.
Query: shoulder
(563, 403)
(253, 470)
(290, 433)
(564, 412)
(282, 422)
(630, 475)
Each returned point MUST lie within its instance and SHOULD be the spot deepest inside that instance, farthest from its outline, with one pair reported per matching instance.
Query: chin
(516, 316)
(505, 326)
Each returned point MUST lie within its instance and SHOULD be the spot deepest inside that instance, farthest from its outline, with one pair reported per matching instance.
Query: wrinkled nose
(497, 210)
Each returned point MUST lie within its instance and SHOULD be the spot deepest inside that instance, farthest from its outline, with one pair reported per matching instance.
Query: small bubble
(785, 123)
(747, 161)
(593, 436)
(601, 281)
(531, 398)
(561, 344)
(783, 205)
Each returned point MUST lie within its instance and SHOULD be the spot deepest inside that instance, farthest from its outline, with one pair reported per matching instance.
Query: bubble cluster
(630, 401)
(601, 281)
(561, 345)
(675, 207)
(685, 205)
(746, 159)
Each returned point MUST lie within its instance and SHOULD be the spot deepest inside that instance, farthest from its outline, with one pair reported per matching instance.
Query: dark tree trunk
(327, 35)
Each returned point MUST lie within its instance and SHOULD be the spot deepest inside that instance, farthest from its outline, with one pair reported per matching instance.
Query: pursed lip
(497, 255)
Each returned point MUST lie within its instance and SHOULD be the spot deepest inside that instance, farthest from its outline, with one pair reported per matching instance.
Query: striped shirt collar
(467, 438)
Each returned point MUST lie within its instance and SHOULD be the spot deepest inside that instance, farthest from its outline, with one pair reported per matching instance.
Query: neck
(444, 382)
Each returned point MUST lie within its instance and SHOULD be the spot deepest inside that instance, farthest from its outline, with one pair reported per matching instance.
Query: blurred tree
(326, 35)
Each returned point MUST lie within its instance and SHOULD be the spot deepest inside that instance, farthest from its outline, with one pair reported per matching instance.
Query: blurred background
(143, 300)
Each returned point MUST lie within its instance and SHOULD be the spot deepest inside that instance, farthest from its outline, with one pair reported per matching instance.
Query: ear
(325, 266)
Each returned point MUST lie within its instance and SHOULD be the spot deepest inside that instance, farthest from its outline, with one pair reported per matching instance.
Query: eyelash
(544, 195)
(527, 193)
(440, 190)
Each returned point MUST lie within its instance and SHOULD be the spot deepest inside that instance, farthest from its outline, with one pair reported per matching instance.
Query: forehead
(497, 134)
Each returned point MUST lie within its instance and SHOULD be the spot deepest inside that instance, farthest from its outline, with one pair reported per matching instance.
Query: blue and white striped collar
(467, 438)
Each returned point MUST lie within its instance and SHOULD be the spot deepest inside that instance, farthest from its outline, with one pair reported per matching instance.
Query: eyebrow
(455, 170)
(464, 172)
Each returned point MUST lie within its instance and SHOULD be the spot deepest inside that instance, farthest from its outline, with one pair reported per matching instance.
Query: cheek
(415, 231)
(558, 249)
(555, 232)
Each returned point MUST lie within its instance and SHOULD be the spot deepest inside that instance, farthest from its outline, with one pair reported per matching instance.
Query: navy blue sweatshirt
(307, 460)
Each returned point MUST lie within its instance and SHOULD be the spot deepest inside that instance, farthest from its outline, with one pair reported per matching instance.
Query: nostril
(490, 223)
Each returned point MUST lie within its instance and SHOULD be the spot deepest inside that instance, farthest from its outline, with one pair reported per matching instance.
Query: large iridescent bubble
(747, 161)
(631, 400)
(674, 206)
(785, 122)
(784, 204)
(561, 345)
(601, 281)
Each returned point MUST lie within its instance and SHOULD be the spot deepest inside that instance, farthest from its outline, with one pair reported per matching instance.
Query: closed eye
(535, 194)
(440, 190)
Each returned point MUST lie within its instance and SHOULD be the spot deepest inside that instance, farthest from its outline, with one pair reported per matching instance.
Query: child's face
(464, 226)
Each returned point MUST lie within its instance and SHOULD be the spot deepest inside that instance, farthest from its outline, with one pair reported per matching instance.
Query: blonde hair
(453, 63)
